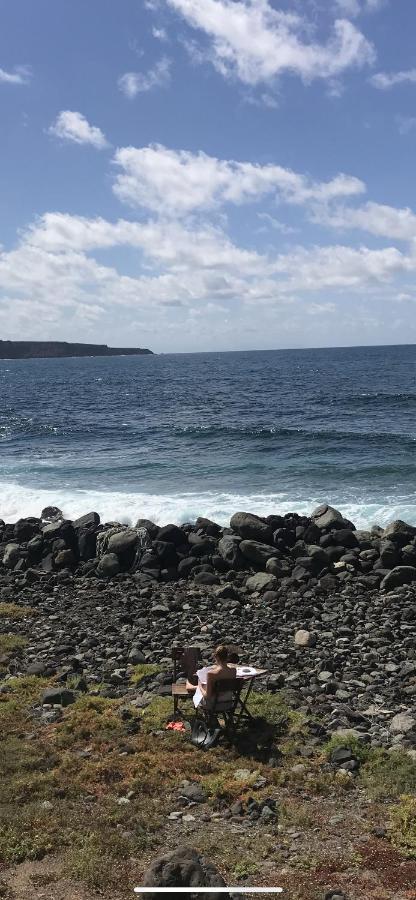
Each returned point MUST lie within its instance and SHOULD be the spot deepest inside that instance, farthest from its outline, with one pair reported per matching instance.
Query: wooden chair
(185, 663)
(224, 703)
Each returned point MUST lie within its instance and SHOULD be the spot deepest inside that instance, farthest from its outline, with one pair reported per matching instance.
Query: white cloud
(255, 42)
(386, 80)
(375, 218)
(406, 124)
(133, 83)
(177, 183)
(20, 75)
(272, 222)
(73, 126)
(160, 34)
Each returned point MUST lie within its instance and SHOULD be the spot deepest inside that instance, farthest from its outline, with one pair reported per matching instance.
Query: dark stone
(251, 527)
(123, 542)
(341, 755)
(193, 791)
(108, 566)
(183, 867)
(257, 552)
(65, 559)
(398, 576)
(58, 696)
(207, 578)
(165, 552)
(229, 549)
(51, 514)
(186, 565)
(90, 520)
(149, 526)
(25, 529)
(172, 534)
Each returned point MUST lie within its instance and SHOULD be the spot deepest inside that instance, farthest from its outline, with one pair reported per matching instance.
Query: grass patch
(143, 670)
(90, 719)
(388, 775)
(10, 643)
(358, 749)
(403, 826)
(13, 611)
(244, 869)
(155, 716)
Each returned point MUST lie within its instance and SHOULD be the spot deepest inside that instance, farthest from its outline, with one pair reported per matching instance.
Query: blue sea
(171, 437)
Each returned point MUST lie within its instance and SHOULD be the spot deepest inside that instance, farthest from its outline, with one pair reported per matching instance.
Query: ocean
(171, 437)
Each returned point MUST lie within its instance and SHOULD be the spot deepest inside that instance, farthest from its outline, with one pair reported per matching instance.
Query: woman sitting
(220, 671)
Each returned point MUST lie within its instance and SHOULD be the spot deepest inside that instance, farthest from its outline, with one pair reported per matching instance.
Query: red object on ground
(175, 726)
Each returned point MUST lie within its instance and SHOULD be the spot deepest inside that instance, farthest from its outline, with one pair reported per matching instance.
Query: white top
(240, 672)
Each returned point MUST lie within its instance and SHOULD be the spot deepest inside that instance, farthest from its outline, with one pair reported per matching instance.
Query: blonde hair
(221, 653)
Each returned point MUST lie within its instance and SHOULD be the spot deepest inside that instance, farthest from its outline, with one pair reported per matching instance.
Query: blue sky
(208, 174)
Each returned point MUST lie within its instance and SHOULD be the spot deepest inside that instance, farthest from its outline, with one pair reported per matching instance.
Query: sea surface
(172, 437)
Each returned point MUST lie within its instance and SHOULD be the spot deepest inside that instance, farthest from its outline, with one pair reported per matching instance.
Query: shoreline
(338, 605)
(20, 501)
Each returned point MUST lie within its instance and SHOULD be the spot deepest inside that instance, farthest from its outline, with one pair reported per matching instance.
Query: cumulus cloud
(386, 80)
(133, 83)
(177, 183)
(73, 126)
(375, 218)
(20, 75)
(254, 42)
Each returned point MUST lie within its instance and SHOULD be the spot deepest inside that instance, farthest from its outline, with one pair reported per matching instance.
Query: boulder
(25, 529)
(61, 696)
(51, 514)
(11, 555)
(402, 723)
(183, 867)
(108, 566)
(262, 581)
(123, 542)
(305, 638)
(327, 517)
(136, 656)
(165, 552)
(172, 534)
(65, 559)
(229, 549)
(389, 554)
(251, 527)
(90, 520)
(150, 527)
(399, 532)
(207, 578)
(258, 553)
(398, 576)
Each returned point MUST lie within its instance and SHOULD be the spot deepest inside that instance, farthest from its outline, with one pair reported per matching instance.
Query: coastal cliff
(61, 349)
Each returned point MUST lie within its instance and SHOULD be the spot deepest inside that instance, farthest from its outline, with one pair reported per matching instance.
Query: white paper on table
(202, 679)
(244, 671)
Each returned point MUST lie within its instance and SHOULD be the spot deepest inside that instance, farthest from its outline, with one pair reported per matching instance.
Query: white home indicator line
(208, 890)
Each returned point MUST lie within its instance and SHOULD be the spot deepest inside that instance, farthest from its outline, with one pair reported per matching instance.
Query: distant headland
(61, 349)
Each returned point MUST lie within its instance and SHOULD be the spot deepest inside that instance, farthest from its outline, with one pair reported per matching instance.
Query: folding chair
(224, 703)
(185, 664)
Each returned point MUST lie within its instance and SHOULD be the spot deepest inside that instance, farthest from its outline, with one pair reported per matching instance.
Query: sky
(203, 175)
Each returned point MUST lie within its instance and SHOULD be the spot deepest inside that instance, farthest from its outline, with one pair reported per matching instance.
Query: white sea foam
(17, 501)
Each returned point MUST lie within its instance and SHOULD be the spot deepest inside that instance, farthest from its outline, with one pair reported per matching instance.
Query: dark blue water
(171, 437)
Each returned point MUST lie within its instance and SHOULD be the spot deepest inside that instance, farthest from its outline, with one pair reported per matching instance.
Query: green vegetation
(11, 643)
(143, 670)
(388, 775)
(403, 825)
(13, 611)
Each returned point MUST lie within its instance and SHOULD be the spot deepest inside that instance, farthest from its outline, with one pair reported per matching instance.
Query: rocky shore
(330, 611)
